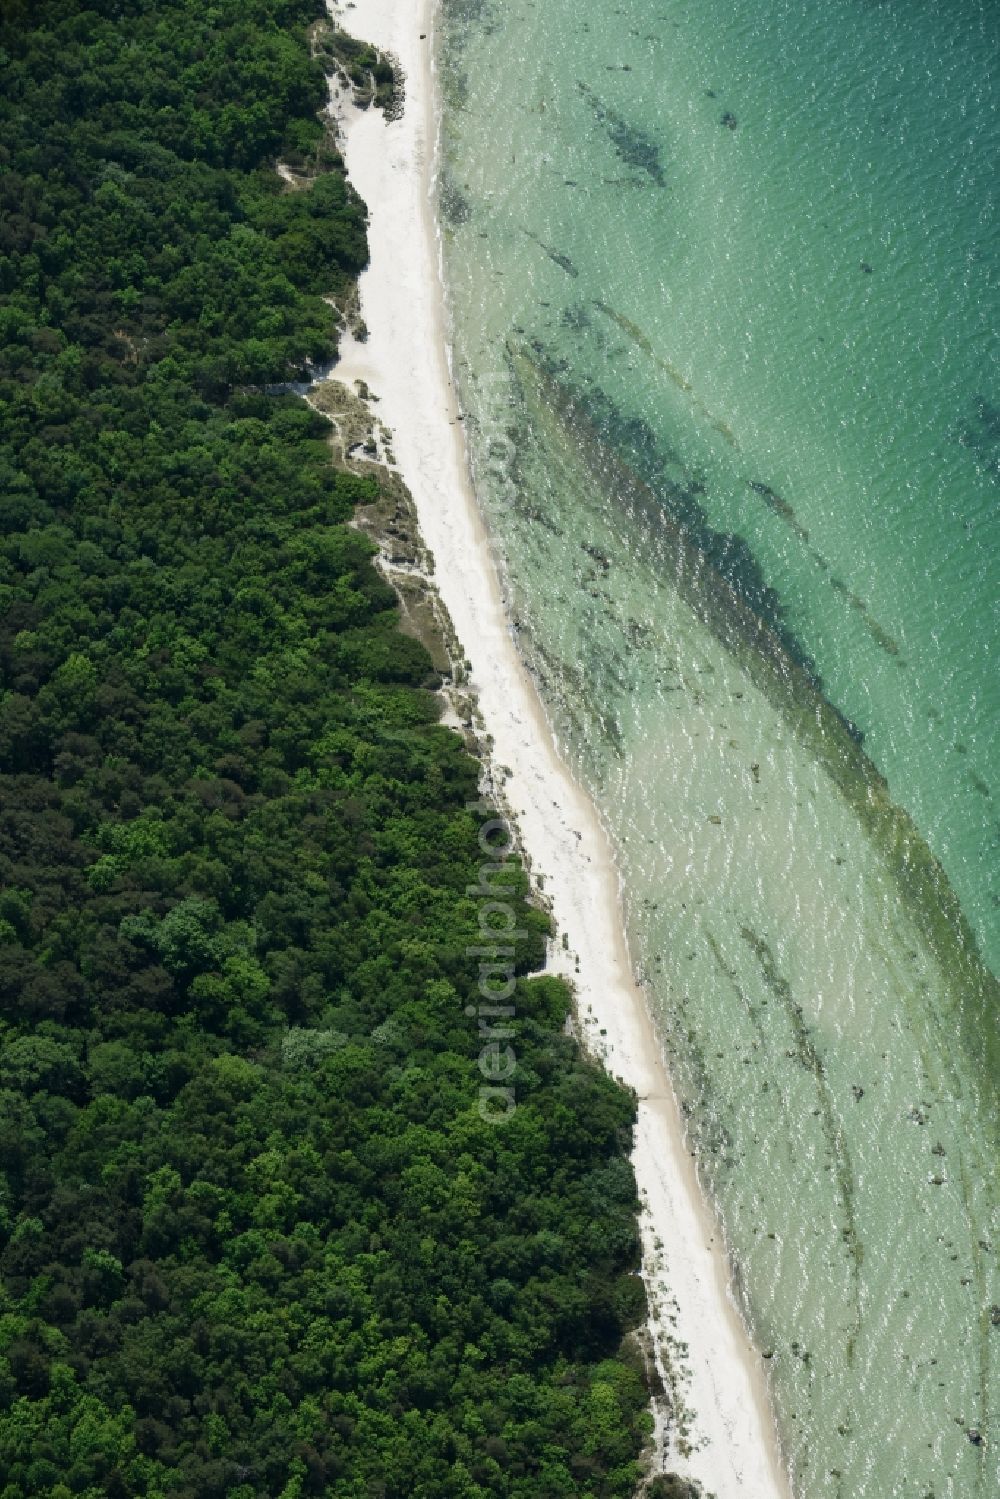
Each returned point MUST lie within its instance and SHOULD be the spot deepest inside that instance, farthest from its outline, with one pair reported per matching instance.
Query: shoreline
(726, 1417)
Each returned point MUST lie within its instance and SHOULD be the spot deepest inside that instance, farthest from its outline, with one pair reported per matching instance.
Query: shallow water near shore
(723, 281)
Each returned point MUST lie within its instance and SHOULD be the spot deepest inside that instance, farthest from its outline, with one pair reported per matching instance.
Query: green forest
(256, 1236)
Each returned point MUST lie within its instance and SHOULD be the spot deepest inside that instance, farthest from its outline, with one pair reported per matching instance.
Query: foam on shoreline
(729, 1440)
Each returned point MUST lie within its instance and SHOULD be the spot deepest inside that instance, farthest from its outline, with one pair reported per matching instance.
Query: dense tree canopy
(256, 1237)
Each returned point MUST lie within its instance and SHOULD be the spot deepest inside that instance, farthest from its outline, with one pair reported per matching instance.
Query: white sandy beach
(405, 363)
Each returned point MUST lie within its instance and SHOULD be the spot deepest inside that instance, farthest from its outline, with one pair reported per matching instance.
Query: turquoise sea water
(724, 283)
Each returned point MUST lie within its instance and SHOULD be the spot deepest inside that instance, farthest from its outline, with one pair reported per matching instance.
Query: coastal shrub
(374, 77)
(669, 1486)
